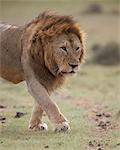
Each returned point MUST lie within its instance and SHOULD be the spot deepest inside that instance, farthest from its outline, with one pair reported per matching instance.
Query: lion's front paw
(62, 127)
(39, 127)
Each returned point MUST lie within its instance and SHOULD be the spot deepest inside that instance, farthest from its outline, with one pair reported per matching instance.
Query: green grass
(94, 84)
(16, 136)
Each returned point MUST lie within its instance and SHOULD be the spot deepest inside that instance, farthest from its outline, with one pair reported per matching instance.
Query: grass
(94, 85)
(102, 91)
(20, 138)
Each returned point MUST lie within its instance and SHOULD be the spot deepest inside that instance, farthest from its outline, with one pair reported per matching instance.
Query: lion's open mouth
(71, 72)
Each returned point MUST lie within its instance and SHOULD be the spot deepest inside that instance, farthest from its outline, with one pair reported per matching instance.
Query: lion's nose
(73, 65)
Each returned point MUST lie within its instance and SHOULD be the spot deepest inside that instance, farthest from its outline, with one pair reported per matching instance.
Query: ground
(82, 103)
(91, 100)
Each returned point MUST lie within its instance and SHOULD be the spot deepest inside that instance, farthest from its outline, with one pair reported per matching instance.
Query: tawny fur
(26, 53)
(42, 28)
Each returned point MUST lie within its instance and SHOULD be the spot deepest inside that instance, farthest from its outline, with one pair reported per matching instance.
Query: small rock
(94, 145)
(59, 144)
(99, 115)
(1, 142)
(91, 144)
(46, 146)
(100, 148)
(2, 118)
(107, 115)
(102, 124)
(19, 114)
(2, 107)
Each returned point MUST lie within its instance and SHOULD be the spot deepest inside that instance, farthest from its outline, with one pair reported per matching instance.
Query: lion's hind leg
(36, 119)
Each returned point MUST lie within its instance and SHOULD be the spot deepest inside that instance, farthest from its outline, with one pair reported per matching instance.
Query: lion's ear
(83, 37)
(81, 59)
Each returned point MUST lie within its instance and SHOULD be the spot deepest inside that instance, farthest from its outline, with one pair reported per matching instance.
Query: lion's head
(63, 54)
(57, 42)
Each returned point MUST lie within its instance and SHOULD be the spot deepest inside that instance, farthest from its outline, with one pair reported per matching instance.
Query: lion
(42, 53)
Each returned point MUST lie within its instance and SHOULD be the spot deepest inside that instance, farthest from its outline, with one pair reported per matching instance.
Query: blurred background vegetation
(100, 19)
(98, 82)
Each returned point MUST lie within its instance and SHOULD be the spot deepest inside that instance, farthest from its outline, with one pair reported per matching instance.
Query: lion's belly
(10, 53)
(11, 75)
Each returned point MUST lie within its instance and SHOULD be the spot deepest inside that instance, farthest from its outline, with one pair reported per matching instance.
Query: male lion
(42, 53)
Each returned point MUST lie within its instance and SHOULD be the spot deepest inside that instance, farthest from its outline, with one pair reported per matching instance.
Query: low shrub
(106, 55)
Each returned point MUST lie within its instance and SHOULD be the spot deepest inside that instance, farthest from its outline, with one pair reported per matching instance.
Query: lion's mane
(35, 37)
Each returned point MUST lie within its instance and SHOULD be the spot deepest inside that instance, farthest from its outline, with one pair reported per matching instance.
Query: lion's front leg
(35, 122)
(41, 96)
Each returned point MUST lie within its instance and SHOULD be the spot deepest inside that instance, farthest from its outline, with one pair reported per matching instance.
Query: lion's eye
(77, 48)
(64, 48)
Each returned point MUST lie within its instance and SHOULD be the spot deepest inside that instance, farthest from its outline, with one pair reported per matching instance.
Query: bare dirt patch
(101, 122)
(101, 118)
(94, 145)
